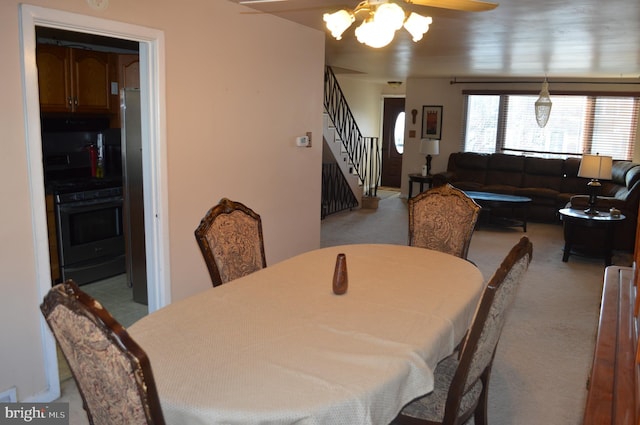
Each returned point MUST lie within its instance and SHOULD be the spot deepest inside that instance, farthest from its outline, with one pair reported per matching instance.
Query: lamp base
(591, 211)
(428, 158)
(592, 202)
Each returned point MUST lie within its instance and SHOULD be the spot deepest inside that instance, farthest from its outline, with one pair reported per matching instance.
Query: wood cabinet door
(91, 81)
(54, 78)
(129, 71)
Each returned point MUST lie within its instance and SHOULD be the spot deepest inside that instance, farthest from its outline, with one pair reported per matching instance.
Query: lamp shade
(595, 167)
(430, 147)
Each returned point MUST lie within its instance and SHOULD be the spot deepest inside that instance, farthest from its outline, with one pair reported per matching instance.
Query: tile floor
(116, 296)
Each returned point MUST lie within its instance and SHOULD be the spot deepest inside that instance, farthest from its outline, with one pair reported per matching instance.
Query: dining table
(278, 346)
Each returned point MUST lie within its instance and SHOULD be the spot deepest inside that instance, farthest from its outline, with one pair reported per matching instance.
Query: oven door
(90, 237)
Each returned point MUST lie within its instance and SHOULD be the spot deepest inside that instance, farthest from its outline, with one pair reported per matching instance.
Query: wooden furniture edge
(611, 397)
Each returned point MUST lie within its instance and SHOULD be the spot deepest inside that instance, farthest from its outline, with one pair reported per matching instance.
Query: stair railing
(336, 193)
(362, 152)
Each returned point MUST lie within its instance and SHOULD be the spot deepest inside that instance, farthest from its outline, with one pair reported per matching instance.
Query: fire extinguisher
(93, 158)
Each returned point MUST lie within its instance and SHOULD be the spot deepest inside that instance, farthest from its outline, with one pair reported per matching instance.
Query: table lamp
(595, 167)
(429, 147)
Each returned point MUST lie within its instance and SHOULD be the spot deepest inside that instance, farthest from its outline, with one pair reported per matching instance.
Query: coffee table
(578, 218)
(488, 200)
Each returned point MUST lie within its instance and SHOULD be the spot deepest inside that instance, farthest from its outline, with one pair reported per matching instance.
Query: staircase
(358, 158)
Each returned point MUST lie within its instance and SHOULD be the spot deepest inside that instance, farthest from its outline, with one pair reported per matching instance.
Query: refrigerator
(133, 204)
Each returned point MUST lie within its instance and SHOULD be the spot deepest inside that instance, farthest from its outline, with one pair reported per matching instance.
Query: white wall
(239, 88)
(365, 101)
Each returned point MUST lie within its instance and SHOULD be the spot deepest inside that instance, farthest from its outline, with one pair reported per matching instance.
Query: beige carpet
(543, 360)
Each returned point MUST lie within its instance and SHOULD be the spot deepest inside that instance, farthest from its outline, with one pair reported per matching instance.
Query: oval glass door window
(398, 133)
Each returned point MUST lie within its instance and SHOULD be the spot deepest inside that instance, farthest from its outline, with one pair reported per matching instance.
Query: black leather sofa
(551, 184)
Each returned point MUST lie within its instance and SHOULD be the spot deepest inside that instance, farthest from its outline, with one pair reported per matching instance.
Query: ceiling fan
(463, 5)
(381, 18)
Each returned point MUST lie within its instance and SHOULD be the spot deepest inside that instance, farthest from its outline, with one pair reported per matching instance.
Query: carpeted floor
(544, 356)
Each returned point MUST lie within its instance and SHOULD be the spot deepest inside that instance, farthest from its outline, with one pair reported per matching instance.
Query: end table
(573, 218)
(419, 178)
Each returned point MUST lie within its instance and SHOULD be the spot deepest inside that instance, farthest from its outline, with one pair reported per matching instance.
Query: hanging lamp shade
(543, 105)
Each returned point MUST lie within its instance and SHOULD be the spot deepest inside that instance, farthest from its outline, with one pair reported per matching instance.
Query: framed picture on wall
(431, 122)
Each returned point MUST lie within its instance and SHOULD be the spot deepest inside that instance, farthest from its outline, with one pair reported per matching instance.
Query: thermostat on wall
(303, 141)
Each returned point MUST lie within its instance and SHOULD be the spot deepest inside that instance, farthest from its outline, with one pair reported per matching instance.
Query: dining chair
(230, 238)
(443, 218)
(112, 372)
(461, 381)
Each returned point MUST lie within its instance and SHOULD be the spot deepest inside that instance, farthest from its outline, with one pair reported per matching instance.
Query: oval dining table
(279, 347)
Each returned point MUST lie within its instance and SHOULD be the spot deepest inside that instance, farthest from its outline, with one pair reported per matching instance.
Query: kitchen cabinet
(128, 71)
(53, 240)
(73, 80)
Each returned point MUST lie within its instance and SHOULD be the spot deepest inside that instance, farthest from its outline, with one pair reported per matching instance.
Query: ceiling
(519, 39)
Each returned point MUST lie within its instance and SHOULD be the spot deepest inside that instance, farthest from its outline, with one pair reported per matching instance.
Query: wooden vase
(340, 277)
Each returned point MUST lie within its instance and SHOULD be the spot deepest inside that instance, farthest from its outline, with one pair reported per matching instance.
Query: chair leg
(480, 415)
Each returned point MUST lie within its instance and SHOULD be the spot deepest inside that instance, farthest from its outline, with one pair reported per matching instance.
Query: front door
(392, 141)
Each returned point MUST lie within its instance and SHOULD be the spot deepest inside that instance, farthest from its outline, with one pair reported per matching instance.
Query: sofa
(552, 184)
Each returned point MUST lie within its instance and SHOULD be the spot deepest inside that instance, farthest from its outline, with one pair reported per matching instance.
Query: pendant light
(543, 105)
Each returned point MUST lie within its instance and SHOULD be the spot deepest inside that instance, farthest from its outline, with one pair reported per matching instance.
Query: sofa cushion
(468, 167)
(543, 173)
(571, 183)
(505, 169)
(539, 195)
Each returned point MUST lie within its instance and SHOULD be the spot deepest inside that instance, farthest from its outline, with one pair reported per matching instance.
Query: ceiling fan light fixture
(417, 25)
(373, 34)
(338, 22)
(389, 16)
(543, 105)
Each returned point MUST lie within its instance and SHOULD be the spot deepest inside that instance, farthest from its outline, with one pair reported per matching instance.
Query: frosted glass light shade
(374, 35)
(338, 22)
(389, 16)
(417, 25)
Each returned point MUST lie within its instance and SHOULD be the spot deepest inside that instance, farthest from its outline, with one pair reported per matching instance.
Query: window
(578, 124)
(398, 133)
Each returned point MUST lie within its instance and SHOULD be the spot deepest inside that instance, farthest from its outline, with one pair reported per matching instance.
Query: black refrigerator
(133, 205)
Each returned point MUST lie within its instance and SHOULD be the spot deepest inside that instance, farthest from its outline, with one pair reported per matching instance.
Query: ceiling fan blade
(464, 5)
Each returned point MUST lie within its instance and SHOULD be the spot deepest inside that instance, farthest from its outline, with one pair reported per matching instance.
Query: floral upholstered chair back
(466, 376)
(230, 238)
(499, 294)
(112, 372)
(443, 219)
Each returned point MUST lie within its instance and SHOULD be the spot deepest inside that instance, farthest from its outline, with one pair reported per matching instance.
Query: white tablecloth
(278, 347)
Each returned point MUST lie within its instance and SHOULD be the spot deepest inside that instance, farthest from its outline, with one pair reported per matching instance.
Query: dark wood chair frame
(71, 297)
(456, 390)
(225, 206)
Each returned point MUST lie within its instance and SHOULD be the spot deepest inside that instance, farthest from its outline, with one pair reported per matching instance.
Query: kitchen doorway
(154, 162)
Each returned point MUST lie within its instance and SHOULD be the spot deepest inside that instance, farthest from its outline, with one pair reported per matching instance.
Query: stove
(89, 228)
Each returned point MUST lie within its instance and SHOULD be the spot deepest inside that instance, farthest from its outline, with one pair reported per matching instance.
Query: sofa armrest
(603, 203)
(443, 178)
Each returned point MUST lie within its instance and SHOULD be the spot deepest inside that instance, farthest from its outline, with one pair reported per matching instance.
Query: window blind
(579, 124)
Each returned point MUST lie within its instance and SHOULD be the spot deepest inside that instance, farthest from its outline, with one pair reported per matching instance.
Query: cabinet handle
(69, 99)
(75, 101)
